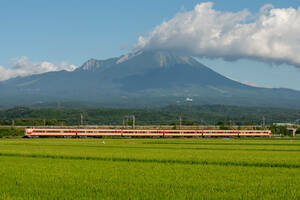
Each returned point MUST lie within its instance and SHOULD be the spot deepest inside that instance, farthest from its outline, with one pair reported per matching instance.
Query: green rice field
(149, 169)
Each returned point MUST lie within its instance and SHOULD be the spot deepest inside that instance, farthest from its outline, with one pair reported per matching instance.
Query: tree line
(170, 115)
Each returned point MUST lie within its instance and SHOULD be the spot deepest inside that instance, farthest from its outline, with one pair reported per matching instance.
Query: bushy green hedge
(11, 132)
(280, 130)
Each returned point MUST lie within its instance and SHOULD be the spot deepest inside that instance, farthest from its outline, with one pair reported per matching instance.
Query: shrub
(11, 132)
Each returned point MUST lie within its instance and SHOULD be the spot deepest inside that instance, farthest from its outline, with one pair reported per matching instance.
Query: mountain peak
(161, 58)
(89, 64)
(128, 57)
(93, 64)
(141, 58)
(167, 58)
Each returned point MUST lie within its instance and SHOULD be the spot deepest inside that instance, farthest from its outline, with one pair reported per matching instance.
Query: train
(82, 132)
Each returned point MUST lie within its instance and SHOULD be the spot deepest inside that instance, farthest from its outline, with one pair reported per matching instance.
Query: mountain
(150, 78)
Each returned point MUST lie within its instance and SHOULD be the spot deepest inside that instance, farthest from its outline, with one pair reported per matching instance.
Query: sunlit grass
(149, 169)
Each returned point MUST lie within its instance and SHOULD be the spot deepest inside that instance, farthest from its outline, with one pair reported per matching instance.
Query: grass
(149, 169)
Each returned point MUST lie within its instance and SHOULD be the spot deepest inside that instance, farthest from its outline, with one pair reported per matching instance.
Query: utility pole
(13, 123)
(81, 119)
(180, 122)
(263, 121)
(58, 105)
(133, 120)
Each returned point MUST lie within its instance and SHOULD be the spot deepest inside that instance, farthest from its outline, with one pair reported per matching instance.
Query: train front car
(28, 132)
(49, 132)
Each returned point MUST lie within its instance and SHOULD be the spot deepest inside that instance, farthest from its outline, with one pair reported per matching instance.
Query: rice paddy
(149, 169)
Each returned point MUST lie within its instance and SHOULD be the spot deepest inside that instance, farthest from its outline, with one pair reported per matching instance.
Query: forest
(169, 115)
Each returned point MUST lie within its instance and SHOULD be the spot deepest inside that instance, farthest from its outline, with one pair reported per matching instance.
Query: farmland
(149, 168)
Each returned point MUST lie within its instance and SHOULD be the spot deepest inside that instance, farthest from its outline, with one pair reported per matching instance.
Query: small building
(284, 124)
(189, 99)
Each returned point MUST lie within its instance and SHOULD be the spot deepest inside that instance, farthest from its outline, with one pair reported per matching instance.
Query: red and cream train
(81, 132)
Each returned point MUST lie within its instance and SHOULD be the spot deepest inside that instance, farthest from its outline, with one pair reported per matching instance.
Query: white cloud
(23, 67)
(272, 35)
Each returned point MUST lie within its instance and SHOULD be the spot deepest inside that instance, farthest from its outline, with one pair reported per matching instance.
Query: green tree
(280, 130)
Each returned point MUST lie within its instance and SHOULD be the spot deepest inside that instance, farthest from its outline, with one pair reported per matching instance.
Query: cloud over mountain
(23, 67)
(272, 35)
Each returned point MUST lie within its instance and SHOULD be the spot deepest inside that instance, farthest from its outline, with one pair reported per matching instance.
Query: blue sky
(74, 31)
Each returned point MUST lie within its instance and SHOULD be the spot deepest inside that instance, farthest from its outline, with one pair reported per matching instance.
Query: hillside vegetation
(191, 115)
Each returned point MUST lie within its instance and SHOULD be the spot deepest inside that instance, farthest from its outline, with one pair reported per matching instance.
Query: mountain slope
(141, 79)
